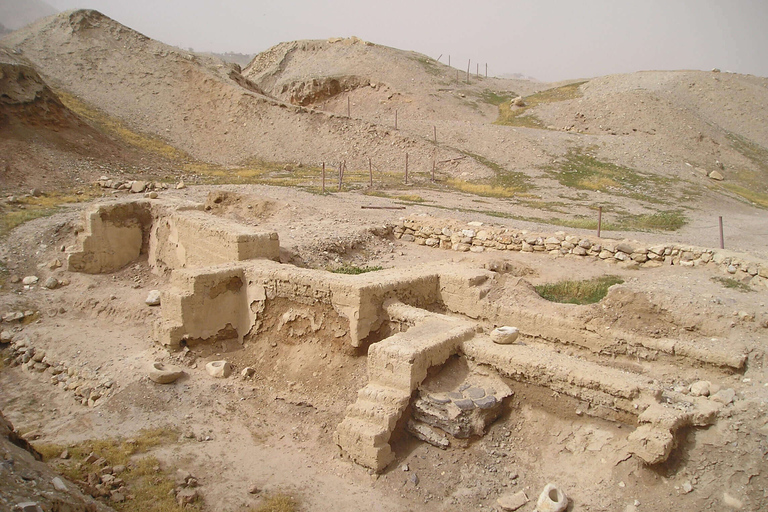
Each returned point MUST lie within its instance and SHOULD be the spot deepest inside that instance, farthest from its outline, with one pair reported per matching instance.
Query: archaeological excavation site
(340, 278)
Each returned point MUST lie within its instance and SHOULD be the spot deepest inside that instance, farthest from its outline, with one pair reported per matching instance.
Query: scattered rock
(187, 496)
(180, 185)
(51, 283)
(687, 487)
(511, 502)
(700, 388)
(247, 372)
(59, 485)
(254, 489)
(427, 434)
(552, 499)
(30, 280)
(153, 298)
(219, 369)
(27, 506)
(715, 175)
(505, 335)
(138, 187)
(724, 396)
(164, 374)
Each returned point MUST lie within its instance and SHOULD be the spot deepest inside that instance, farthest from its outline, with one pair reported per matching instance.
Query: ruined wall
(453, 235)
(192, 312)
(113, 237)
(172, 234)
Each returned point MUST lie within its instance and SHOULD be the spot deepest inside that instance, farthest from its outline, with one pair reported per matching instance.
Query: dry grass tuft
(30, 208)
(278, 503)
(589, 291)
(520, 116)
(150, 486)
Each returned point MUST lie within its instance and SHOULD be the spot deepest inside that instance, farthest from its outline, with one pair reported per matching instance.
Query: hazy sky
(547, 39)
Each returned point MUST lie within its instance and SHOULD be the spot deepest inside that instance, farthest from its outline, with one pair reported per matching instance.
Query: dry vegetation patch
(148, 487)
(520, 116)
(31, 207)
(588, 291)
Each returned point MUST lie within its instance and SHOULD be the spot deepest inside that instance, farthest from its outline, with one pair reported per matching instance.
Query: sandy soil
(275, 431)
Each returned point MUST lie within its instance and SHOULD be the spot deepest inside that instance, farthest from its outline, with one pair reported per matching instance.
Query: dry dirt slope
(665, 130)
(378, 79)
(43, 144)
(196, 103)
(673, 124)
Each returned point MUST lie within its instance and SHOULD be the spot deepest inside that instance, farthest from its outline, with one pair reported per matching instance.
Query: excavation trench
(421, 334)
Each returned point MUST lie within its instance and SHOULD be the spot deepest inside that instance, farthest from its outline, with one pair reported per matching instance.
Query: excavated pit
(422, 334)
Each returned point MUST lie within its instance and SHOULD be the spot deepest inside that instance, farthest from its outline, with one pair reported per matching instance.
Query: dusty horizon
(549, 41)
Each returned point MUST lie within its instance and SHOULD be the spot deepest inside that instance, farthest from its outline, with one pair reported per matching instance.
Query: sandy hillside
(198, 103)
(44, 145)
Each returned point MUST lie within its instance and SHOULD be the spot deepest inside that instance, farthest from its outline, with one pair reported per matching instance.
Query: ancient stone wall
(461, 237)
(172, 234)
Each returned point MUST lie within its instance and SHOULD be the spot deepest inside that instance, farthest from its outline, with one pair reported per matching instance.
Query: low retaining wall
(462, 237)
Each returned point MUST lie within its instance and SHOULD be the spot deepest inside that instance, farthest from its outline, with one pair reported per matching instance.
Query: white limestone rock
(505, 335)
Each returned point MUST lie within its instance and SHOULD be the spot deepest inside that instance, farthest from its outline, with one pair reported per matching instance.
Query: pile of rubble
(87, 386)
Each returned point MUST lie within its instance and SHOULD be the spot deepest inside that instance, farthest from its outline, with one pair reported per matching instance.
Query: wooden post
(323, 177)
(341, 173)
(599, 220)
(477, 69)
(348, 107)
(433, 170)
(449, 60)
(486, 70)
(406, 168)
(370, 172)
(457, 76)
(395, 119)
(438, 59)
(468, 63)
(722, 240)
(434, 129)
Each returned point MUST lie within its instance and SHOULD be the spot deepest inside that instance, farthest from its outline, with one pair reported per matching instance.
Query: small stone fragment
(700, 388)
(27, 506)
(248, 372)
(219, 369)
(486, 402)
(511, 502)
(687, 487)
(505, 335)
(186, 496)
(164, 374)
(464, 404)
(552, 499)
(724, 396)
(51, 283)
(153, 298)
(30, 280)
(58, 484)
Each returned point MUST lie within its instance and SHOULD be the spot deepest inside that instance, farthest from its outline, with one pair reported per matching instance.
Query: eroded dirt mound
(243, 208)
(200, 104)
(42, 142)
(700, 117)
